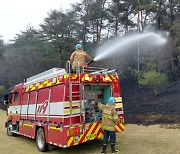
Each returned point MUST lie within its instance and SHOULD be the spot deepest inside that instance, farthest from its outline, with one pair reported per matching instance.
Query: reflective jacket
(109, 116)
(79, 56)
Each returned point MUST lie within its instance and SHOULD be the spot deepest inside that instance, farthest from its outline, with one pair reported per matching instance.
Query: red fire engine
(60, 108)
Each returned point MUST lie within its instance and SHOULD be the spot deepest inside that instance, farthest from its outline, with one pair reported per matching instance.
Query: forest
(91, 23)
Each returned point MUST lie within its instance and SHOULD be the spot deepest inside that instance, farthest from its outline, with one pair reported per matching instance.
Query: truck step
(76, 95)
(75, 92)
(75, 84)
(15, 132)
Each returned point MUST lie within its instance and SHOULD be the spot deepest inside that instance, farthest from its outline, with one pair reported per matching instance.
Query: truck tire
(41, 140)
(10, 129)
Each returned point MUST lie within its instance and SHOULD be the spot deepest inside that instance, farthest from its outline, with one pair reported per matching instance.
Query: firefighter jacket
(79, 56)
(109, 116)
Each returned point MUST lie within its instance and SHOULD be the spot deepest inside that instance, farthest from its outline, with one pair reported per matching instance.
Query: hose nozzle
(91, 62)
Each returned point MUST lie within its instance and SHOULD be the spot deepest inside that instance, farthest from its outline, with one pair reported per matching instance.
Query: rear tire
(41, 140)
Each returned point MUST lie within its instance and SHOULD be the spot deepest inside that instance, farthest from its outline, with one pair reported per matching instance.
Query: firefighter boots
(113, 149)
(103, 151)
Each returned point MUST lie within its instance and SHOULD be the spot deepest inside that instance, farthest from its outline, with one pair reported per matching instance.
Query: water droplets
(118, 44)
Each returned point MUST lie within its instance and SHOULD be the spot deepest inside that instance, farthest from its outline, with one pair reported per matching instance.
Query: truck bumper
(5, 124)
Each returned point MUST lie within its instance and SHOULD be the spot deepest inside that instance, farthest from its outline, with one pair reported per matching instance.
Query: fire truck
(58, 107)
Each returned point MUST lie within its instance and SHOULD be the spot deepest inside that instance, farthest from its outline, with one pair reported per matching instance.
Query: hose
(91, 62)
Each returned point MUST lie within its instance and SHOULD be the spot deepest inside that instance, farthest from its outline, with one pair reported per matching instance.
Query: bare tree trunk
(126, 23)
(171, 10)
(84, 34)
(93, 32)
(116, 26)
(159, 15)
(100, 25)
(97, 31)
(173, 67)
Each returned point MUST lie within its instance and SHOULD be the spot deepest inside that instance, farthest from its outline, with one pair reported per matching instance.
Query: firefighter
(109, 120)
(79, 56)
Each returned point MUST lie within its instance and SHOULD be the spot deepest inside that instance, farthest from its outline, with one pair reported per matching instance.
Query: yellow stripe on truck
(13, 114)
(70, 141)
(54, 128)
(88, 136)
(118, 105)
(118, 129)
(67, 104)
(118, 99)
(67, 111)
(122, 125)
(28, 125)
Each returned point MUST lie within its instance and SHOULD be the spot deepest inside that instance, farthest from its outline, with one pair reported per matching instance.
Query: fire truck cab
(60, 108)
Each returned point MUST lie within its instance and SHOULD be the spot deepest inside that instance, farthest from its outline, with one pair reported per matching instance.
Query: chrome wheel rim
(40, 140)
(10, 129)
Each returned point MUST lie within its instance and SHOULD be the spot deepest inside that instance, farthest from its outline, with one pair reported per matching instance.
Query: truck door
(14, 107)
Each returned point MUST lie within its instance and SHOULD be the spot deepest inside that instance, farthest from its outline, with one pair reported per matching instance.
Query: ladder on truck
(75, 93)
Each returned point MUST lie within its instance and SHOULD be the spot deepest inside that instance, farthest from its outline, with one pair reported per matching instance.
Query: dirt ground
(136, 139)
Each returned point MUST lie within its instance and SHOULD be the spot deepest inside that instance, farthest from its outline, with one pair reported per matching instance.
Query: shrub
(153, 79)
(2, 88)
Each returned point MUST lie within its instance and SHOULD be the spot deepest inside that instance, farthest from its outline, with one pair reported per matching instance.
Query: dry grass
(136, 139)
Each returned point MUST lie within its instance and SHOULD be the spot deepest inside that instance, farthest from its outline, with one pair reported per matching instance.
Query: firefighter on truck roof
(79, 56)
(109, 120)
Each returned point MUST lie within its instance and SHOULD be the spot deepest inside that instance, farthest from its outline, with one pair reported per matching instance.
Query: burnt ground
(142, 106)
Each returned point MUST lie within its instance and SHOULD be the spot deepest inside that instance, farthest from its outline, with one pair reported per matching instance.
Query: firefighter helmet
(79, 46)
(100, 93)
(111, 100)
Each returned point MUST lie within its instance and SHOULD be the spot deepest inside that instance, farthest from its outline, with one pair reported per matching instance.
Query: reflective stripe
(100, 106)
(118, 99)
(108, 128)
(74, 111)
(66, 76)
(74, 77)
(109, 117)
(54, 128)
(13, 114)
(119, 105)
(74, 103)
(28, 125)
(115, 117)
(86, 75)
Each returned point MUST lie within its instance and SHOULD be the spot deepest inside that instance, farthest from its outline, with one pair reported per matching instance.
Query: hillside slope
(142, 106)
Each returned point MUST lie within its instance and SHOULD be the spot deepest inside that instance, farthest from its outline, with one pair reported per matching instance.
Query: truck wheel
(41, 140)
(10, 129)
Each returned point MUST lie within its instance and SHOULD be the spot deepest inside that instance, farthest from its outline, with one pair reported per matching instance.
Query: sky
(17, 15)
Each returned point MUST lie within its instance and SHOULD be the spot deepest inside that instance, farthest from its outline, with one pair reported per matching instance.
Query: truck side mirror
(5, 102)
(6, 99)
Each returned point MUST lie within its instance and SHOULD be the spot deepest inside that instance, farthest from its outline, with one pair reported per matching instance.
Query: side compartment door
(32, 105)
(56, 115)
(42, 105)
(24, 106)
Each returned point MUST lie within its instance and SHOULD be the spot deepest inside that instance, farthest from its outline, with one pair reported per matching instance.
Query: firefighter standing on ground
(79, 56)
(109, 120)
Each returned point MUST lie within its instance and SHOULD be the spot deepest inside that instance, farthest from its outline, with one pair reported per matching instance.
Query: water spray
(114, 46)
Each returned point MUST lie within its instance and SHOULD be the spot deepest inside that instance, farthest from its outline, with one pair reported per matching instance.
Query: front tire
(41, 140)
(10, 129)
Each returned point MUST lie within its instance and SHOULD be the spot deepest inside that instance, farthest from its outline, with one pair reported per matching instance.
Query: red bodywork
(46, 104)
